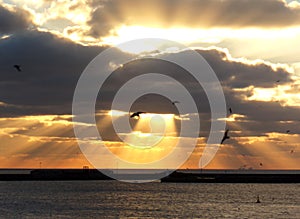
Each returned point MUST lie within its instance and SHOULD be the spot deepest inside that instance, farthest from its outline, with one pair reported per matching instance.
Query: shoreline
(177, 176)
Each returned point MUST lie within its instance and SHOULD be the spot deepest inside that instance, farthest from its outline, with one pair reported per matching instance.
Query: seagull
(230, 110)
(174, 102)
(136, 114)
(226, 136)
(18, 67)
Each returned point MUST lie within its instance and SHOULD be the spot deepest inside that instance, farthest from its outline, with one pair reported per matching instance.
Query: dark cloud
(51, 67)
(236, 73)
(259, 117)
(14, 20)
(190, 13)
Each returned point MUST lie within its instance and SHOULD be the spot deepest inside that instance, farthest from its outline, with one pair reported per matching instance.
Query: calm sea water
(112, 199)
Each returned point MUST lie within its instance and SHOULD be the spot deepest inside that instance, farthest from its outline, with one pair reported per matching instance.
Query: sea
(113, 199)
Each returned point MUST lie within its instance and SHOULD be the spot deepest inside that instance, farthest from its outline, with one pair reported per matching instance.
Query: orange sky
(36, 128)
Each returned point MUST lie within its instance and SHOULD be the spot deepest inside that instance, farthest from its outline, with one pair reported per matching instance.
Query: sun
(150, 130)
(152, 138)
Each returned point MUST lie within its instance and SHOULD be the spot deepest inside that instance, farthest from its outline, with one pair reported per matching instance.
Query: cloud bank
(51, 66)
(14, 19)
(108, 15)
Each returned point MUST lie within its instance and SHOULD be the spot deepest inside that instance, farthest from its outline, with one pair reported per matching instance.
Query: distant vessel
(257, 200)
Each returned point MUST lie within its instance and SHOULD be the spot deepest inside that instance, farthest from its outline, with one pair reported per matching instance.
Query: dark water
(111, 199)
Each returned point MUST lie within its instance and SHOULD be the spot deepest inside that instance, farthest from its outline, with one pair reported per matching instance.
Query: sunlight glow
(191, 35)
(233, 118)
(4, 37)
(150, 129)
(26, 141)
(152, 138)
(117, 113)
(283, 94)
(45, 119)
(166, 117)
(263, 94)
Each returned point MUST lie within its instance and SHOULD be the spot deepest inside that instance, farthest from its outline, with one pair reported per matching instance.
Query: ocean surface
(112, 199)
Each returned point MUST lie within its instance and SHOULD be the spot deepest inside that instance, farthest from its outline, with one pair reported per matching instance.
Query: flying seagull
(226, 136)
(136, 114)
(174, 102)
(18, 67)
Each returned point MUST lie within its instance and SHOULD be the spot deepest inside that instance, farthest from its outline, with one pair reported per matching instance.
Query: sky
(252, 46)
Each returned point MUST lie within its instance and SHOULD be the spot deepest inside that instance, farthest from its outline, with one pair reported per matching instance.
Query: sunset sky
(252, 45)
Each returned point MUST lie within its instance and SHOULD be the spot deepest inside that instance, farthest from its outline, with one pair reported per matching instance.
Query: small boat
(257, 200)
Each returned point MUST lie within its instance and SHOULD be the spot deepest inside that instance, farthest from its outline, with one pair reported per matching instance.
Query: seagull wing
(136, 114)
(18, 67)
(225, 136)
(133, 115)
(223, 139)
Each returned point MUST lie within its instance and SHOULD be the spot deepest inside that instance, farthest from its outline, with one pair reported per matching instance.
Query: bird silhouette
(230, 110)
(174, 102)
(226, 136)
(18, 67)
(136, 114)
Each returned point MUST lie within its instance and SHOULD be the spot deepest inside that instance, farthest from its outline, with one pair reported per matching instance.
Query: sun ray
(150, 140)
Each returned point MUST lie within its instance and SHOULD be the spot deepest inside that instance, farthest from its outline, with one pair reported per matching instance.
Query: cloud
(109, 15)
(279, 46)
(242, 73)
(52, 66)
(27, 141)
(14, 19)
